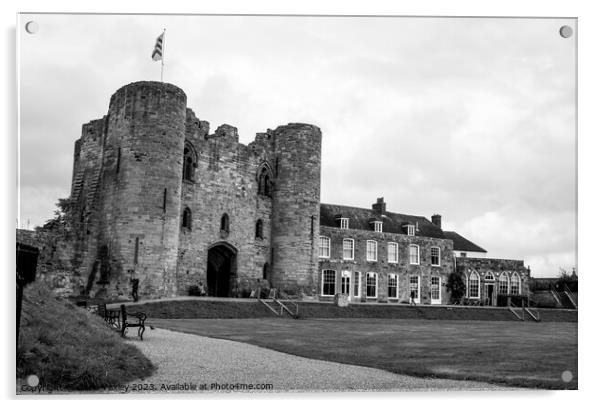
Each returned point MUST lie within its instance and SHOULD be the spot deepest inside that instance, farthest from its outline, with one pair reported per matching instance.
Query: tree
(456, 286)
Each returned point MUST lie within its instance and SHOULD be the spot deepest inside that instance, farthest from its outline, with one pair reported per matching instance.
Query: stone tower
(141, 186)
(296, 207)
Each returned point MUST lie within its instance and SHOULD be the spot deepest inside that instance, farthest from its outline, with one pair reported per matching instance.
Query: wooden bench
(110, 316)
(136, 320)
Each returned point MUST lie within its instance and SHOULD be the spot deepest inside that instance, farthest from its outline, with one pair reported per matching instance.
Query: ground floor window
(435, 289)
(473, 285)
(371, 284)
(328, 282)
(515, 285)
(356, 284)
(392, 287)
(503, 283)
(345, 282)
(415, 288)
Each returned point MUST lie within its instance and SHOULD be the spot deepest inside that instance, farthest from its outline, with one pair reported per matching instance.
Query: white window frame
(478, 285)
(375, 285)
(417, 254)
(518, 281)
(504, 279)
(396, 253)
(411, 230)
(438, 256)
(368, 251)
(396, 285)
(435, 301)
(357, 287)
(352, 249)
(321, 247)
(378, 226)
(344, 223)
(334, 282)
(417, 298)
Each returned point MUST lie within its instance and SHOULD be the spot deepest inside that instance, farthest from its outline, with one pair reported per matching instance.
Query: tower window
(225, 223)
(264, 182)
(190, 163)
(259, 230)
(266, 270)
(187, 218)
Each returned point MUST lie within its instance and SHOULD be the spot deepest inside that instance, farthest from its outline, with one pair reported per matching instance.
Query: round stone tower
(142, 182)
(296, 207)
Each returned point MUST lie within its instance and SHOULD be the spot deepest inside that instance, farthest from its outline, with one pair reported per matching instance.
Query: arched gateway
(221, 270)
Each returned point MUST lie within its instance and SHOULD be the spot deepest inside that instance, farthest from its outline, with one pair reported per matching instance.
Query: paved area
(190, 363)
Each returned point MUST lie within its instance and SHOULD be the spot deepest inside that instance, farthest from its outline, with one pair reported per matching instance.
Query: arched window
(225, 223)
(190, 162)
(515, 284)
(259, 229)
(264, 181)
(489, 277)
(474, 285)
(187, 218)
(266, 270)
(504, 283)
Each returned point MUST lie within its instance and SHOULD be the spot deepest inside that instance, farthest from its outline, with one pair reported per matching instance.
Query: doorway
(221, 270)
(345, 283)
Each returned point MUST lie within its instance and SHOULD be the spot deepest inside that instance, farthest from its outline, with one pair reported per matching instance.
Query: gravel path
(186, 359)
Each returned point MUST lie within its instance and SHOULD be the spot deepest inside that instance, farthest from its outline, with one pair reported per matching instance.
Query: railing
(570, 295)
(534, 314)
(556, 296)
(512, 308)
(279, 306)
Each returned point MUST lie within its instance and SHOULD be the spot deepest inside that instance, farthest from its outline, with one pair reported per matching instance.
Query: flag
(158, 51)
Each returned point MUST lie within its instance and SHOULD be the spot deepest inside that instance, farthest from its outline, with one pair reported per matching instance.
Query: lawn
(512, 353)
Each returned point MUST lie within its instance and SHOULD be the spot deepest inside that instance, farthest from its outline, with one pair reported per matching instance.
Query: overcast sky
(470, 118)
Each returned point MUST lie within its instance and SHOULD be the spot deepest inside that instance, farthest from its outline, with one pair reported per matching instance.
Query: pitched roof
(461, 243)
(359, 218)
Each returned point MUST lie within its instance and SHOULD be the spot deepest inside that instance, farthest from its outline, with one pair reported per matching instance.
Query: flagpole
(163, 56)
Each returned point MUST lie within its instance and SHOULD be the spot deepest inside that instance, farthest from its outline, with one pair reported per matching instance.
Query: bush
(194, 290)
(69, 348)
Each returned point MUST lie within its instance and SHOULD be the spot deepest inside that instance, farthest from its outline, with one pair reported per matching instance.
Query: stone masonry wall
(383, 268)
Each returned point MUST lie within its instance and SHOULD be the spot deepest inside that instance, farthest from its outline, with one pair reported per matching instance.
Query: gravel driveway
(190, 363)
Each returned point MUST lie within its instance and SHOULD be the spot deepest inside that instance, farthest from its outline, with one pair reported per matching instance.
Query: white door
(345, 282)
(435, 290)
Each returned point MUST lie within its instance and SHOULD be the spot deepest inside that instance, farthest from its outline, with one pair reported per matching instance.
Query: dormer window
(344, 223)
(410, 230)
(378, 226)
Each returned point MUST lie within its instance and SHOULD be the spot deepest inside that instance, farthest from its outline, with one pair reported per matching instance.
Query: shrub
(194, 290)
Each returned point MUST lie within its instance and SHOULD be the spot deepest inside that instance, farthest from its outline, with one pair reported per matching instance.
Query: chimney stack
(380, 206)
(436, 219)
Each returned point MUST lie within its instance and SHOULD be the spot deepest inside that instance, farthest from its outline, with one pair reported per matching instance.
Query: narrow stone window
(187, 218)
(118, 160)
(225, 223)
(136, 249)
(266, 270)
(190, 163)
(164, 200)
(264, 183)
(259, 229)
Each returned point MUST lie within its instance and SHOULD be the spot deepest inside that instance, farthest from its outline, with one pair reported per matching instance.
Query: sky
(470, 118)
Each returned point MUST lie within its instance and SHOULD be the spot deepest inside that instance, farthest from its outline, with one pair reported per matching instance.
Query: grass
(509, 353)
(70, 349)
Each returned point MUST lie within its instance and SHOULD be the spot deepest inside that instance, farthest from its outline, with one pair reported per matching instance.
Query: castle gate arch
(221, 270)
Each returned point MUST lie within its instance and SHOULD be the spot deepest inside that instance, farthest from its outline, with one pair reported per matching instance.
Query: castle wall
(141, 188)
(225, 182)
(296, 211)
(383, 268)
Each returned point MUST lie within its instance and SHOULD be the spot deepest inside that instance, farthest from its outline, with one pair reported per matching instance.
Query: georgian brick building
(155, 196)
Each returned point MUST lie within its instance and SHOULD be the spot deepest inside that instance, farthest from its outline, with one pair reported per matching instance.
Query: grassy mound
(70, 349)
